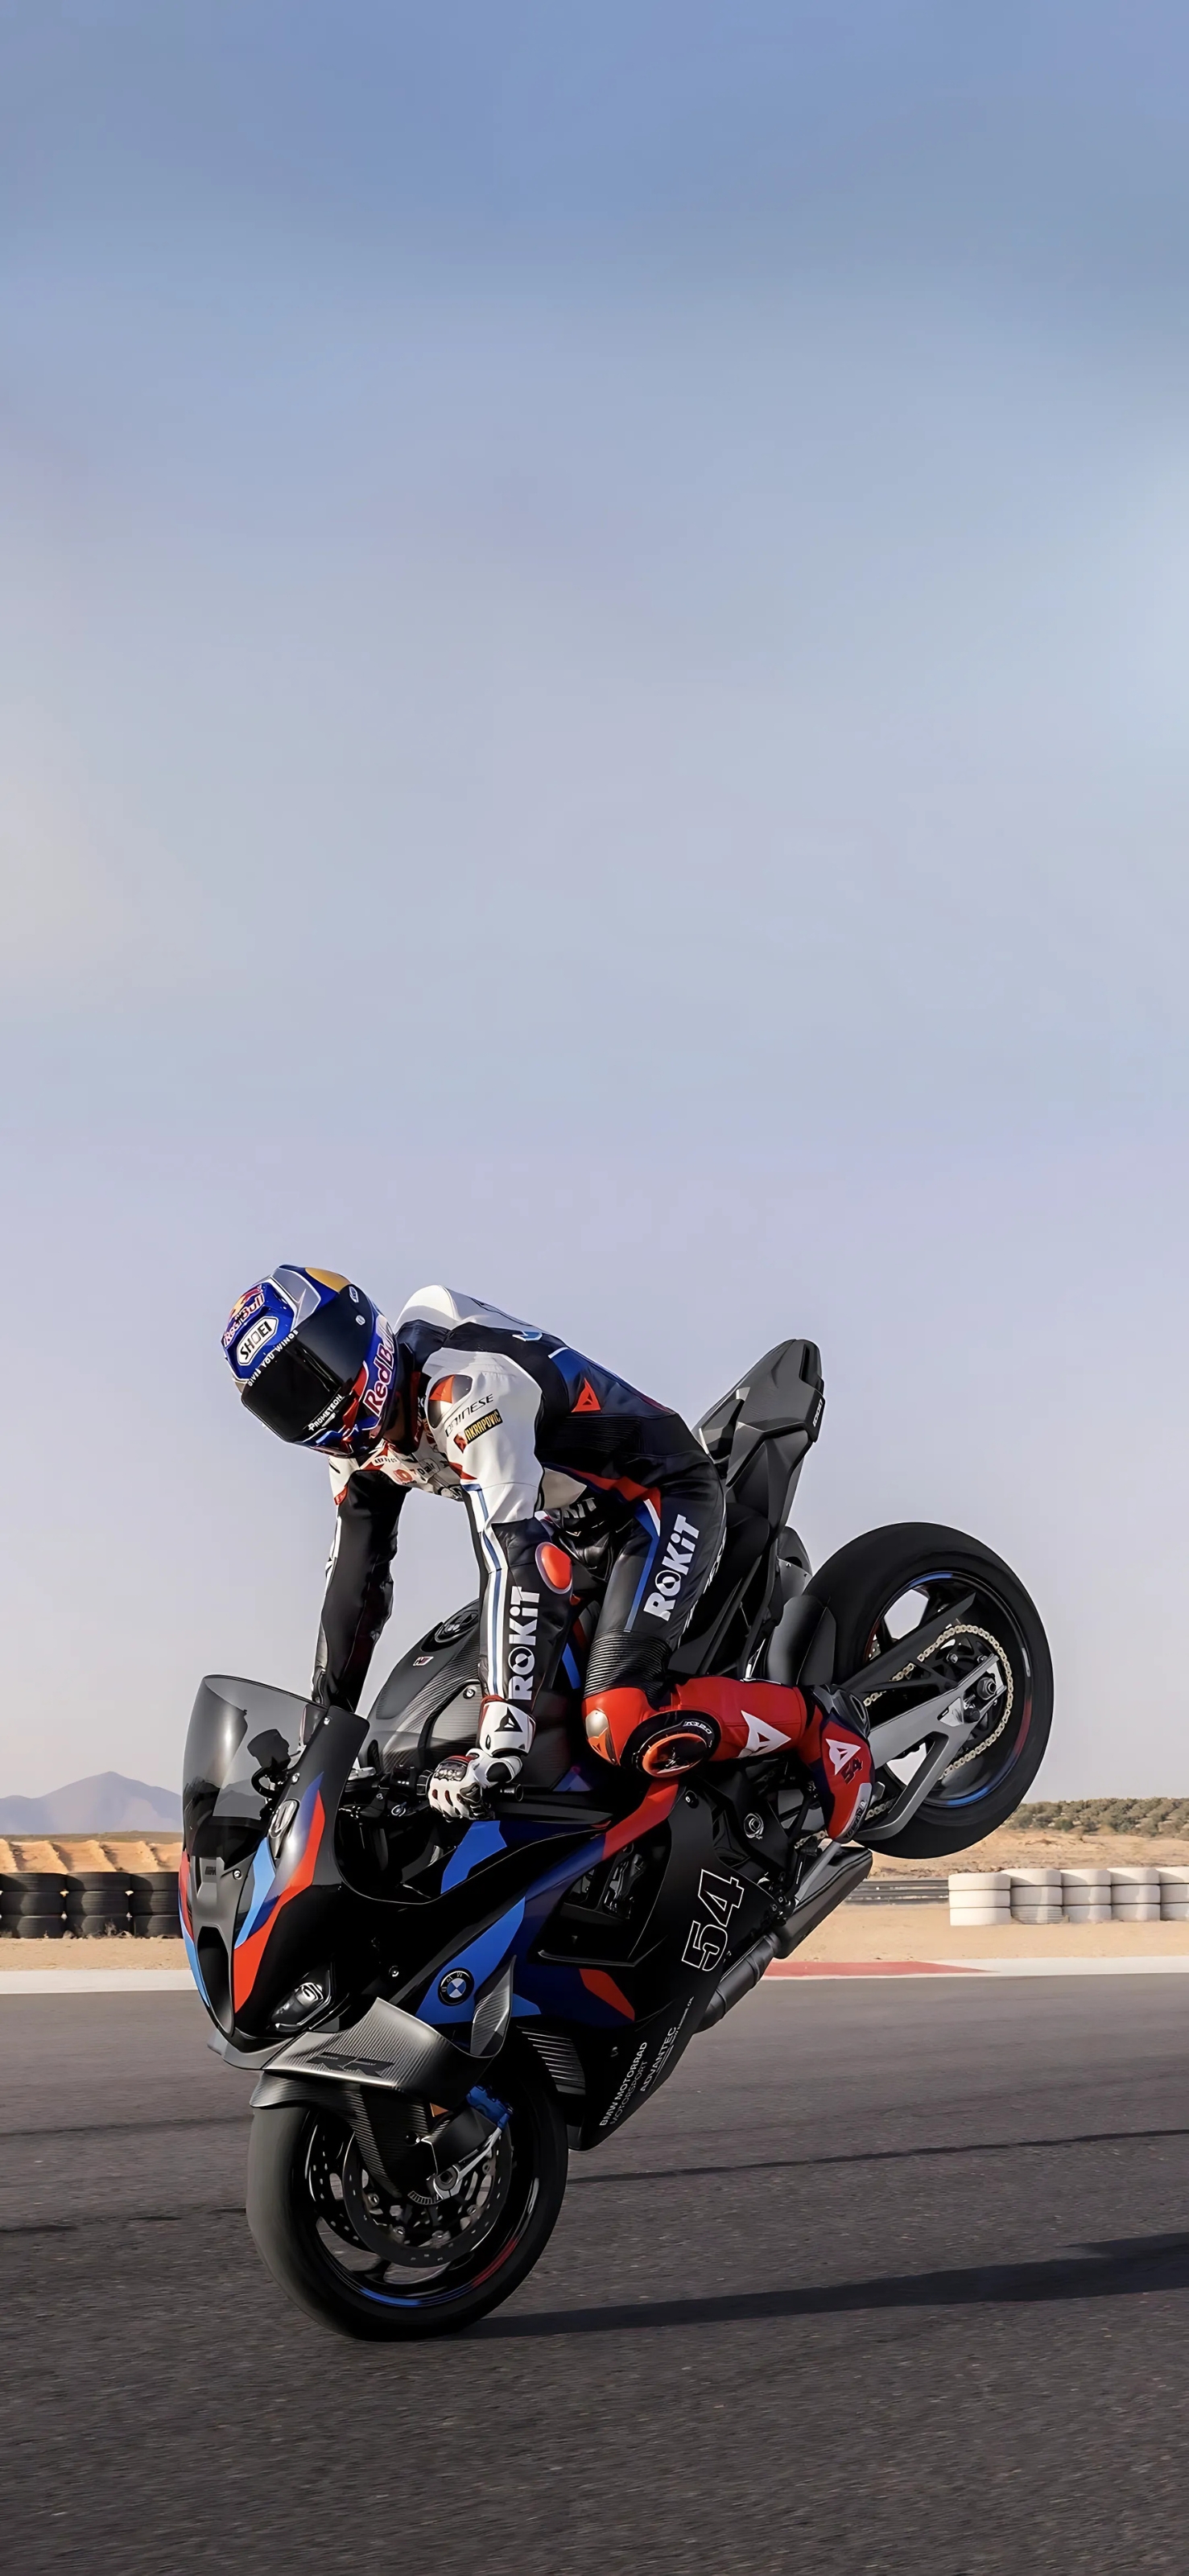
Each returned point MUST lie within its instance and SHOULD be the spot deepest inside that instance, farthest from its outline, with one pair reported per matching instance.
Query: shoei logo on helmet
(254, 1340)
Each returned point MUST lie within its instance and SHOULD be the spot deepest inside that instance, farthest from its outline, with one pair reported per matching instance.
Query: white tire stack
(1036, 1895)
(1174, 1895)
(979, 1896)
(1086, 1895)
(1135, 1895)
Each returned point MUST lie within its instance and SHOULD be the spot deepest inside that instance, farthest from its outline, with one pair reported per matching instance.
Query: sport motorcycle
(439, 2013)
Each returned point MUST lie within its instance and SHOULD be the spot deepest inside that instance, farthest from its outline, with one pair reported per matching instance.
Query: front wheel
(394, 2269)
(893, 1580)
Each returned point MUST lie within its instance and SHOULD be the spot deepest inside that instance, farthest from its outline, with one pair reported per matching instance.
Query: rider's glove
(461, 1785)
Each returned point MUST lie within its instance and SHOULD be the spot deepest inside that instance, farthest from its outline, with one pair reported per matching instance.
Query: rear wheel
(394, 2269)
(892, 1581)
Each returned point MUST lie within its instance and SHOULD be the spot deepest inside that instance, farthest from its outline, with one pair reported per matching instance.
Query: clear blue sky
(593, 648)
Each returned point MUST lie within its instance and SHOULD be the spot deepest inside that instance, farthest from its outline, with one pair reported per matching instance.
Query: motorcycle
(439, 2013)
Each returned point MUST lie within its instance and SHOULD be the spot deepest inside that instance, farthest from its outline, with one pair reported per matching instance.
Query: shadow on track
(1125, 2268)
(873, 2156)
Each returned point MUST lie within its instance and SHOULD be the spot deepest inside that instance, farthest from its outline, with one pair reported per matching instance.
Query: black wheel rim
(389, 2275)
(980, 1771)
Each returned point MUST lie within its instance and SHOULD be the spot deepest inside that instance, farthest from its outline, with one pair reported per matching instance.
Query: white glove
(461, 1784)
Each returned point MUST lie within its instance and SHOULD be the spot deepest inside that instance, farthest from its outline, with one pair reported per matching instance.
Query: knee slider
(624, 1727)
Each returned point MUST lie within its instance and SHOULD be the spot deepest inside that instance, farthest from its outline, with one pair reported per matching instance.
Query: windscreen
(242, 1738)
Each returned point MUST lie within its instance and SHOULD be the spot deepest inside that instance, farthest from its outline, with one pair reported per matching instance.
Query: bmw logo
(455, 1986)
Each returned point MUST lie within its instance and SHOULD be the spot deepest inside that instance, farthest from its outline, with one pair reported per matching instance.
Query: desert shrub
(1105, 1815)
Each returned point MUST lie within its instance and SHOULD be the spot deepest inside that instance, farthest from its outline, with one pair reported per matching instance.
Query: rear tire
(865, 1581)
(327, 2271)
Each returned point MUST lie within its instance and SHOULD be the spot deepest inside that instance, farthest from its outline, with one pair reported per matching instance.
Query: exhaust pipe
(828, 1881)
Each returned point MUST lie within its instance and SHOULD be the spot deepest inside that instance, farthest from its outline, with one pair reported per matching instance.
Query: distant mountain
(106, 1804)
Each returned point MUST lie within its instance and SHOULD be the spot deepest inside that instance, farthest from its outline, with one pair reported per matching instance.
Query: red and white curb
(1132, 1967)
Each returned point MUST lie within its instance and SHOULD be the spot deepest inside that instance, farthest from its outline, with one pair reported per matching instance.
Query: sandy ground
(121, 1951)
(1011, 1848)
(89, 1851)
(925, 1932)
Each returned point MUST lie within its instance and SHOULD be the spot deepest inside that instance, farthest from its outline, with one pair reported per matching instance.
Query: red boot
(717, 1720)
(837, 1756)
(709, 1720)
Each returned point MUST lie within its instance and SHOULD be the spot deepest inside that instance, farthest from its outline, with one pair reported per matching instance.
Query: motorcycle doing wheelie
(440, 2012)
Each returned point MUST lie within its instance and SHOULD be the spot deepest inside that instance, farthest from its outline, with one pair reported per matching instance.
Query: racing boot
(837, 1756)
(714, 1719)
(677, 1725)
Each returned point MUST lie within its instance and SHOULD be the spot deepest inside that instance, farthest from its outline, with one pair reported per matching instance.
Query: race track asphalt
(891, 2280)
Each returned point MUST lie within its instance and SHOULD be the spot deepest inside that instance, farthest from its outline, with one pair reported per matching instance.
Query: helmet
(314, 1359)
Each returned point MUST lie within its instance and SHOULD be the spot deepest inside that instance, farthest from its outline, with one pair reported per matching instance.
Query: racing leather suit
(554, 1457)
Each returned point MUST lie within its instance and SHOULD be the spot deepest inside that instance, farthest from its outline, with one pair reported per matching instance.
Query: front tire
(303, 2204)
(906, 1573)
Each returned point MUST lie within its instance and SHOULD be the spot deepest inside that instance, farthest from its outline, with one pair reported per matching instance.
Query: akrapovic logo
(475, 1430)
(522, 1642)
(675, 1565)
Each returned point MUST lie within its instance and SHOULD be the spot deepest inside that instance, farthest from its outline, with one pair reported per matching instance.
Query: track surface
(885, 2278)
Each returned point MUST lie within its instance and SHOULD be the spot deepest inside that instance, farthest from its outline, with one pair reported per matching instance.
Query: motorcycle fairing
(704, 1913)
(257, 1922)
(275, 1883)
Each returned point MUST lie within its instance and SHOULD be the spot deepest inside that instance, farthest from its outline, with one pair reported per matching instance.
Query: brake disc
(432, 2224)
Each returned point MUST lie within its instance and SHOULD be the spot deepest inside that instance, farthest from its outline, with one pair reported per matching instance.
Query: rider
(554, 1457)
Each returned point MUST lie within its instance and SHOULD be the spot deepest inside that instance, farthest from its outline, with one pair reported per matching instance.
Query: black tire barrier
(112, 1899)
(153, 1888)
(157, 1927)
(98, 1927)
(40, 1927)
(35, 1891)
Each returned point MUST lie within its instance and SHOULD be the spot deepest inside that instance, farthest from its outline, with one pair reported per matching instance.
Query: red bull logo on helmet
(242, 1312)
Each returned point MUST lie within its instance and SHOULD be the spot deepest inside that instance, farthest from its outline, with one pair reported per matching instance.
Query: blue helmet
(313, 1358)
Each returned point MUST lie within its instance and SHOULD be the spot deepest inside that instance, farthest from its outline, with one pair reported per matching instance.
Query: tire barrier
(155, 1905)
(33, 1905)
(98, 1903)
(1133, 1893)
(980, 1896)
(89, 1904)
(1174, 1895)
(1086, 1895)
(1036, 1895)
